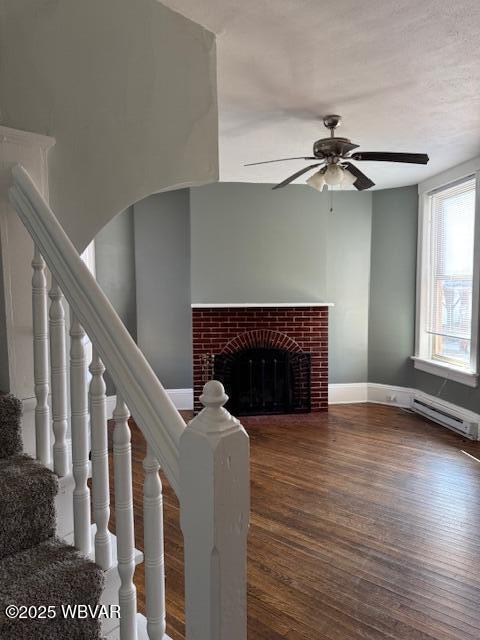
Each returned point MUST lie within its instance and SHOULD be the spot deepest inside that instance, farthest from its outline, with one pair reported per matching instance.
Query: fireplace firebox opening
(265, 380)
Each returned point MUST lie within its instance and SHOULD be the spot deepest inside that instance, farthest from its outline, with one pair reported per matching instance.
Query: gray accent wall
(162, 260)
(252, 244)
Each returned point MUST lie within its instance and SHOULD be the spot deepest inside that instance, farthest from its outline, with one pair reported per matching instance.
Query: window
(448, 302)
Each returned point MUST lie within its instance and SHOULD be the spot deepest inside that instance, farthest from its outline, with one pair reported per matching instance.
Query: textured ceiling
(404, 74)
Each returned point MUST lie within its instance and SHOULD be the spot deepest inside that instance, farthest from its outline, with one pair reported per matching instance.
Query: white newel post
(100, 482)
(153, 544)
(79, 421)
(122, 466)
(58, 373)
(40, 358)
(214, 517)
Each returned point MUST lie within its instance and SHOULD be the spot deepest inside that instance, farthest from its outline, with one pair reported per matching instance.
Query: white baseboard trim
(391, 395)
(181, 398)
(347, 393)
(353, 392)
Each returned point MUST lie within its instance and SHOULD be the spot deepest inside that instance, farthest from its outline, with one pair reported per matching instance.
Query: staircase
(39, 574)
(206, 463)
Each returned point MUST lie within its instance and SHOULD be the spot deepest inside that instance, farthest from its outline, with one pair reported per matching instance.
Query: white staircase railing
(206, 462)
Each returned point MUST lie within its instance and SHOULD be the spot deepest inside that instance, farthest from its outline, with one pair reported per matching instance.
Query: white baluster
(153, 542)
(40, 358)
(79, 416)
(214, 514)
(122, 460)
(58, 373)
(100, 482)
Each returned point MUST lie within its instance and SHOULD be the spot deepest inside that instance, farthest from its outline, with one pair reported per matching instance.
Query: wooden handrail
(154, 412)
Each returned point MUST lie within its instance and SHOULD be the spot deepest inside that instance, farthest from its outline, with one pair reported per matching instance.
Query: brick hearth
(223, 329)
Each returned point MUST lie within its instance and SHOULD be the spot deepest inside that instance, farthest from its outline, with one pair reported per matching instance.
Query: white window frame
(464, 376)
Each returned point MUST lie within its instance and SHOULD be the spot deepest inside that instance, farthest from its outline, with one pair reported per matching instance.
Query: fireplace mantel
(236, 305)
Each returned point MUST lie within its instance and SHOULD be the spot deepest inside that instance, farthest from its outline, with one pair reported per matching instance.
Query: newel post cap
(213, 418)
(213, 395)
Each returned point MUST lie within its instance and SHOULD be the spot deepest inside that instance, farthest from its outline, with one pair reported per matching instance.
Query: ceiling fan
(333, 156)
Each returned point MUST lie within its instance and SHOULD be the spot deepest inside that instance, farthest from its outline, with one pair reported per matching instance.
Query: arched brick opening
(261, 338)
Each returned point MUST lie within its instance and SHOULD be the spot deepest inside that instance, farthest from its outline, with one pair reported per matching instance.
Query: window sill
(468, 378)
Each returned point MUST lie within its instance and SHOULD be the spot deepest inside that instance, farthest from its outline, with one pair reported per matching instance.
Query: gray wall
(392, 300)
(392, 286)
(115, 271)
(115, 267)
(348, 282)
(252, 244)
(162, 260)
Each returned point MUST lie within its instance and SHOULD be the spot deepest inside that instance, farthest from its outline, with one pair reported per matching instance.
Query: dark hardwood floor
(365, 524)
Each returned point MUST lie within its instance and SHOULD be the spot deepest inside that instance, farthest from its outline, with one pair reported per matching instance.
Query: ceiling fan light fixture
(348, 179)
(317, 181)
(333, 175)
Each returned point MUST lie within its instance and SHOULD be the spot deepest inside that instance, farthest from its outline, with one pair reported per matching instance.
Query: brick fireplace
(221, 330)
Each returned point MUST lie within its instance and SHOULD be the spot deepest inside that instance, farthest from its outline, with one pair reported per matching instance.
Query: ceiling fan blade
(412, 158)
(251, 164)
(362, 182)
(296, 175)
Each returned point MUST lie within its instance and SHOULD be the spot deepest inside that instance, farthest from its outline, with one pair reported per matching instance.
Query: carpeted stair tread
(27, 504)
(52, 573)
(10, 429)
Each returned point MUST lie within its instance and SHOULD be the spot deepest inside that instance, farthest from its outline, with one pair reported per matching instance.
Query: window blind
(451, 244)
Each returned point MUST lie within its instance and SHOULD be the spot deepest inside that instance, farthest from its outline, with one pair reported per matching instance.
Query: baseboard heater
(446, 419)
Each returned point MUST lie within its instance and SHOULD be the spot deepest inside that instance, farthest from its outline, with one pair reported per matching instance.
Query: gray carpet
(10, 431)
(27, 496)
(35, 568)
(52, 573)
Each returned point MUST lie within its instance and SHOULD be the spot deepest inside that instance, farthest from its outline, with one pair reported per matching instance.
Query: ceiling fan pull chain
(331, 200)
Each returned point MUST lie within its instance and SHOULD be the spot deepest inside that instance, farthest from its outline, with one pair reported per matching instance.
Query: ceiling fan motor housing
(329, 147)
